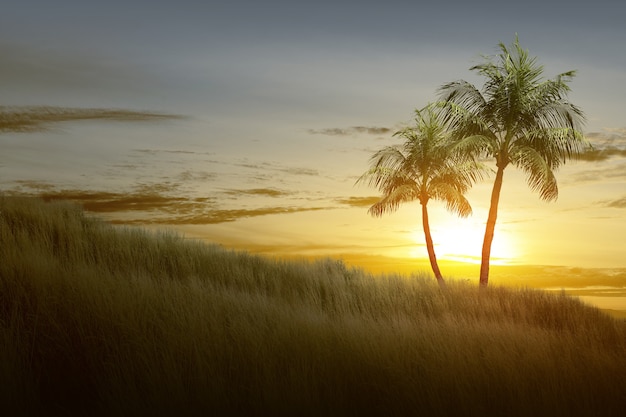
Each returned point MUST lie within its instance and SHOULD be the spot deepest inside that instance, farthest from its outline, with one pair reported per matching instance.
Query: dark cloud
(335, 131)
(359, 201)
(158, 204)
(108, 202)
(39, 118)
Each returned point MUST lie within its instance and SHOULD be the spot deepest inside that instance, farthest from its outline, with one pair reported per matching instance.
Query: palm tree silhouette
(520, 119)
(428, 165)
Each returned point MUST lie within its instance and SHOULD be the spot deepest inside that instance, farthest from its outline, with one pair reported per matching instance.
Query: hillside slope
(98, 320)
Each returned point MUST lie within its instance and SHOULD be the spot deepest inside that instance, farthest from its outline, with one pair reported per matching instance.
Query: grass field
(97, 320)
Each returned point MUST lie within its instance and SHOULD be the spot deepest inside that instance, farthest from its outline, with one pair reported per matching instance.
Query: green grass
(98, 320)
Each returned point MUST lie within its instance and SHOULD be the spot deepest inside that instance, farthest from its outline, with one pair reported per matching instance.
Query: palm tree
(518, 119)
(428, 165)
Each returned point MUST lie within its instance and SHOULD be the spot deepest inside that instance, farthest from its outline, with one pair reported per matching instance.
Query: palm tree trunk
(431, 248)
(490, 228)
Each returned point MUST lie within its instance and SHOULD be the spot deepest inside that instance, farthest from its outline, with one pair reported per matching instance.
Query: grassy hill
(97, 320)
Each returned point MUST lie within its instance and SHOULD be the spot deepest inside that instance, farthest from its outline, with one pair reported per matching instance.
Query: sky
(282, 103)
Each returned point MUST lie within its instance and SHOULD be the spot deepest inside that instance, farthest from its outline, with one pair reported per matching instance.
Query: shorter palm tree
(428, 165)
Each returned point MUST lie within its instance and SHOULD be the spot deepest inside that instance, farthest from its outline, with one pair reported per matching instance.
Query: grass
(105, 321)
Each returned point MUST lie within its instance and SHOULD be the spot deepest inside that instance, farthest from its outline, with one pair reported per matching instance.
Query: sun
(461, 240)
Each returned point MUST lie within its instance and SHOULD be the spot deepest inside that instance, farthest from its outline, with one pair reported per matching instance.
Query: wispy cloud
(203, 176)
(617, 203)
(613, 172)
(337, 131)
(108, 202)
(159, 204)
(268, 192)
(223, 216)
(39, 118)
(266, 166)
(171, 151)
(605, 160)
(610, 143)
(39, 186)
(602, 154)
(358, 201)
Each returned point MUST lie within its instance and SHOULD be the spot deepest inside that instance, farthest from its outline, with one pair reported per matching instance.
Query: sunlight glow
(461, 241)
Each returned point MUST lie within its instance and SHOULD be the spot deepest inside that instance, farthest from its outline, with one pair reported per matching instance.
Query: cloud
(606, 157)
(612, 132)
(619, 203)
(38, 118)
(266, 166)
(602, 154)
(108, 202)
(223, 216)
(172, 151)
(616, 171)
(335, 131)
(607, 144)
(35, 185)
(203, 176)
(269, 192)
(359, 201)
(156, 204)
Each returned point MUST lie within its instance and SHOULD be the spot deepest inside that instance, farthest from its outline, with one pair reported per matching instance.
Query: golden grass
(97, 320)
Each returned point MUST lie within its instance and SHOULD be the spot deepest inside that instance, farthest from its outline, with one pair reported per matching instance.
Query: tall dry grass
(97, 320)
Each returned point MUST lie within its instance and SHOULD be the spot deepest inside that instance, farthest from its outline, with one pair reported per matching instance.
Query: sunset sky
(283, 104)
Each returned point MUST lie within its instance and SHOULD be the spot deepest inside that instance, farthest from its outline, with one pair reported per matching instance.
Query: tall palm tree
(518, 119)
(428, 165)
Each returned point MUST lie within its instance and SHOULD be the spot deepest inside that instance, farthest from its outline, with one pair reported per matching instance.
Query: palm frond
(556, 145)
(466, 97)
(453, 197)
(474, 145)
(429, 164)
(539, 174)
(516, 110)
(391, 200)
